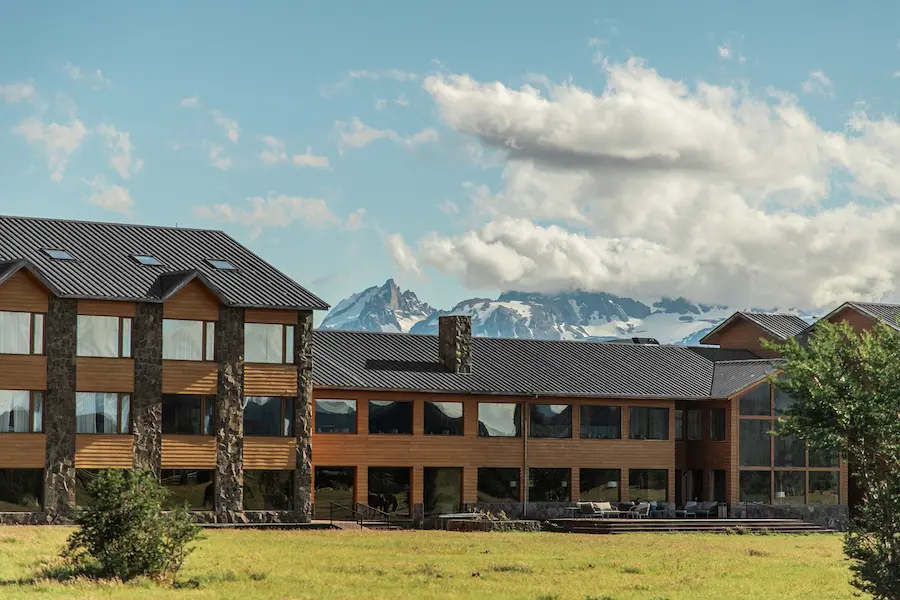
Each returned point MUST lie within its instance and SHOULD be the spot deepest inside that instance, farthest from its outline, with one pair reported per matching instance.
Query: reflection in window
(601, 422)
(828, 457)
(98, 412)
(783, 402)
(679, 425)
(790, 451)
(83, 478)
(184, 414)
(755, 486)
(497, 419)
(443, 418)
(648, 485)
(790, 487)
(823, 487)
(549, 485)
(108, 337)
(717, 425)
(755, 402)
(337, 485)
(335, 416)
(15, 333)
(268, 490)
(188, 340)
(719, 485)
(498, 484)
(15, 411)
(389, 489)
(599, 485)
(190, 487)
(268, 415)
(264, 343)
(442, 490)
(390, 417)
(550, 421)
(648, 423)
(694, 425)
(21, 490)
(755, 443)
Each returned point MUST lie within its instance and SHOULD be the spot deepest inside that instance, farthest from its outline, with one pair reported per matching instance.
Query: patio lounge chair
(706, 509)
(641, 511)
(597, 509)
(688, 510)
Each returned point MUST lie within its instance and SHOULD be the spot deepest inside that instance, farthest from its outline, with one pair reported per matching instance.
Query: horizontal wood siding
(265, 315)
(857, 320)
(104, 374)
(105, 308)
(743, 334)
(192, 302)
(188, 452)
(270, 380)
(22, 450)
(97, 451)
(270, 453)
(22, 372)
(706, 454)
(189, 377)
(23, 293)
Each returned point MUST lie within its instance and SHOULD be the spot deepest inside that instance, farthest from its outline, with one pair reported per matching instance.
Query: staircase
(616, 526)
(363, 516)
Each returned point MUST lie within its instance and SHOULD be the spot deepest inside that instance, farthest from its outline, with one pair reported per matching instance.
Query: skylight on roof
(58, 254)
(145, 259)
(220, 264)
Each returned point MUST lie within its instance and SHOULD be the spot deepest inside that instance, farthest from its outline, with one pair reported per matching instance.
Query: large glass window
(498, 484)
(443, 490)
(755, 402)
(755, 443)
(268, 415)
(390, 417)
(21, 490)
(601, 422)
(820, 458)
(755, 486)
(337, 485)
(694, 425)
(823, 487)
(550, 421)
(717, 418)
(190, 487)
(188, 340)
(21, 412)
(783, 402)
(99, 412)
(21, 333)
(83, 478)
(185, 414)
(646, 423)
(599, 485)
(103, 336)
(443, 418)
(790, 487)
(679, 425)
(499, 419)
(790, 451)
(549, 485)
(268, 343)
(268, 490)
(720, 485)
(389, 489)
(648, 485)
(335, 416)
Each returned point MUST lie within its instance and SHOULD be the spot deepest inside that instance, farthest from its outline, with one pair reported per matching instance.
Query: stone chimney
(455, 339)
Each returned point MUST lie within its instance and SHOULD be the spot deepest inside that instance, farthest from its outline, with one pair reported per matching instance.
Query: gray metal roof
(104, 267)
(716, 354)
(889, 313)
(730, 377)
(781, 324)
(404, 362)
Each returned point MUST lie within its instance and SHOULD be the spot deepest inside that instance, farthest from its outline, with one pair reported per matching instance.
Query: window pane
(288, 418)
(125, 419)
(181, 414)
(497, 419)
(717, 418)
(550, 421)
(695, 425)
(790, 451)
(443, 418)
(790, 487)
(96, 412)
(389, 489)
(98, 336)
(263, 342)
(268, 490)
(756, 401)
(823, 457)
(262, 415)
(338, 485)
(648, 423)
(823, 487)
(188, 486)
(648, 485)
(782, 402)
(37, 422)
(182, 340)
(719, 485)
(15, 332)
(21, 490)
(390, 417)
(335, 416)
(126, 338)
(83, 478)
(15, 414)
(679, 425)
(601, 422)
(755, 486)
(289, 343)
(210, 341)
(549, 485)
(600, 485)
(38, 333)
(209, 422)
(443, 490)
(754, 441)
(498, 485)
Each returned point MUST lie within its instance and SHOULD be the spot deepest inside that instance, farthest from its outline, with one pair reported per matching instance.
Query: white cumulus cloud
(17, 92)
(280, 211)
(114, 198)
(56, 141)
(218, 159)
(402, 253)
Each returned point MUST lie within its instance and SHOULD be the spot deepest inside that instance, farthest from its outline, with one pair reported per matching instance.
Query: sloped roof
(105, 268)
(889, 313)
(780, 325)
(730, 377)
(502, 366)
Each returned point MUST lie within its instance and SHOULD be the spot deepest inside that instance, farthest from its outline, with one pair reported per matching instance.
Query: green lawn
(249, 565)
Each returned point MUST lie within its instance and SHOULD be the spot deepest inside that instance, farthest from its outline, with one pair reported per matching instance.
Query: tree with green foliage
(846, 391)
(124, 533)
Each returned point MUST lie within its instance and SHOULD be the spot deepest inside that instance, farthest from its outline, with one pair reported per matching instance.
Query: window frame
(666, 437)
(287, 354)
(31, 405)
(205, 401)
(533, 407)
(68, 255)
(204, 339)
(462, 418)
(281, 424)
(520, 425)
(119, 343)
(119, 397)
(32, 318)
(141, 259)
(581, 421)
(355, 416)
(680, 425)
(412, 417)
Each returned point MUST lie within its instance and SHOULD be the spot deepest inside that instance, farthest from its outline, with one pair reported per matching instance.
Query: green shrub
(124, 532)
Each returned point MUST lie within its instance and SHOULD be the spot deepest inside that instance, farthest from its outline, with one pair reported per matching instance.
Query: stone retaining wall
(486, 525)
(830, 516)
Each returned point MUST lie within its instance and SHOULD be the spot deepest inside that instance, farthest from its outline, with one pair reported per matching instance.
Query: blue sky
(380, 161)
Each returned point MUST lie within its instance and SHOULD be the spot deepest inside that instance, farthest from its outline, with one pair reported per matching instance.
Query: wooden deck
(616, 526)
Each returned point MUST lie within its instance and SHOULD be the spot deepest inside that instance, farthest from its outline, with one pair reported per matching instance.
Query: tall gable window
(21, 333)
(108, 337)
(268, 343)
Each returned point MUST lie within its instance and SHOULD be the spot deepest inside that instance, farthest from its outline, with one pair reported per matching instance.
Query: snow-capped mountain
(593, 316)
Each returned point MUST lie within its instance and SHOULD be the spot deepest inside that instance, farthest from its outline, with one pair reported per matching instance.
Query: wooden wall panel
(266, 315)
(743, 334)
(188, 452)
(23, 293)
(23, 372)
(106, 308)
(270, 453)
(104, 374)
(189, 377)
(97, 451)
(193, 302)
(22, 450)
(270, 380)
(857, 320)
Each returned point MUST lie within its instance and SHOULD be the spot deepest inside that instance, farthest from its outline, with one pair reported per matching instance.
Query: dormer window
(58, 254)
(220, 264)
(145, 259)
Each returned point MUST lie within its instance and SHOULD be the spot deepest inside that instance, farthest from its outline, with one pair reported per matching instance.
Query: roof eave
(535, 394)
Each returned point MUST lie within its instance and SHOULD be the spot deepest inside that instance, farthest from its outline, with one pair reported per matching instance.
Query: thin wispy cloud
(192, 102)
(229, 126)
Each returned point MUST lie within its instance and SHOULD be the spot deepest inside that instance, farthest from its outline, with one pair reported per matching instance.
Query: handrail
(385, 516)
(359, 518)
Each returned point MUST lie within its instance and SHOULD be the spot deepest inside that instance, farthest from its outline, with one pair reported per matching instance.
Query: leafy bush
(124, 532)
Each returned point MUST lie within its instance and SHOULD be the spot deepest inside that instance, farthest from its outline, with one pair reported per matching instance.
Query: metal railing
(362, 514)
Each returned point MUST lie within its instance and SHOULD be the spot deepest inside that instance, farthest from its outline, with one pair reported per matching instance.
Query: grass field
(250, 565)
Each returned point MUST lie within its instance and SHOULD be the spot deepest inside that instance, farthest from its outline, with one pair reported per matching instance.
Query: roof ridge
(110, 223)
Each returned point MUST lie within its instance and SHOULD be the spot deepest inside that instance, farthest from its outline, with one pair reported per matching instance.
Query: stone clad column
(59, 408)
(229, 484)
(146, 401)
(303, 407)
